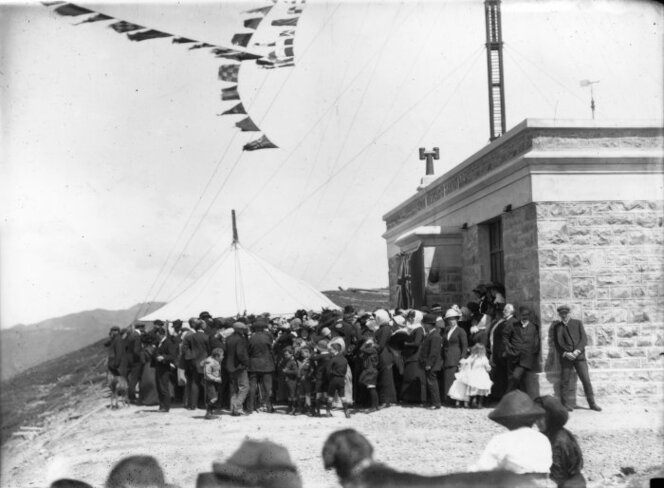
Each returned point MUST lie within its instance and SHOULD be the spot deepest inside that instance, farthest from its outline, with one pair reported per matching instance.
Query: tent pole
(235, 237)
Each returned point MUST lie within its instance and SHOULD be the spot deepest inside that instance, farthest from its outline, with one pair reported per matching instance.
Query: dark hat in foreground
(260, 323)
(563, 308)
(555, 412)
(240, 325)
(204, 315)
(516, 409)
(255, 463)
(115, 328)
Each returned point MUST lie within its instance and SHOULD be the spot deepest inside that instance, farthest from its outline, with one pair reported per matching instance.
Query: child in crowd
(369, 374)
(478, 380)
(304, 379)
(472, 383)
(320, 364)
(336, 375)
(212, 377)
(290, 370)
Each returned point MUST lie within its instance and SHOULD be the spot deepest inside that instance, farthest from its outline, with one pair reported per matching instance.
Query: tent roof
(242, 282)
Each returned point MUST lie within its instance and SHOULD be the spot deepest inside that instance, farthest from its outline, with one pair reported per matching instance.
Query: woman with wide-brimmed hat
(455, 345)
(522, 449)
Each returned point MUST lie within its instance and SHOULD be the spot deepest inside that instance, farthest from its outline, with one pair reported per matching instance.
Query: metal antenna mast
(494, 60)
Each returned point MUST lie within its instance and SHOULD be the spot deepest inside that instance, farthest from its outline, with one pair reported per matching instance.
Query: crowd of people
(521, 456)
(432, 356)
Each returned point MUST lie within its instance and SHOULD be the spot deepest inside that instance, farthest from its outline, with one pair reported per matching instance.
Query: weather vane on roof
(592, 97)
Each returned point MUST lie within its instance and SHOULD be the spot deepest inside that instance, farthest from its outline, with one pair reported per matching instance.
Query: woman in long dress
(413, 385)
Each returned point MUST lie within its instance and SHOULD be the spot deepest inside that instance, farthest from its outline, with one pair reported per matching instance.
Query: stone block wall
(470, 262)
(606, 260)
(520, 258)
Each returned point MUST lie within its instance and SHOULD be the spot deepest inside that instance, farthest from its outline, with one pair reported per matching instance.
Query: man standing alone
(570, 340)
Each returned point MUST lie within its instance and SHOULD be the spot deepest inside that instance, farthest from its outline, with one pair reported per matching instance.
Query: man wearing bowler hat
(570, 341)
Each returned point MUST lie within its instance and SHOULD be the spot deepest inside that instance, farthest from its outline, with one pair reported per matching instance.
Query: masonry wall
(520, 258)
(606, 260)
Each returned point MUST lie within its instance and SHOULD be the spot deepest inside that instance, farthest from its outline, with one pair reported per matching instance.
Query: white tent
(242, 282)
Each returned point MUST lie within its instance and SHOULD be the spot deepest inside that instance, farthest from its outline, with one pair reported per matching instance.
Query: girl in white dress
(477, 376)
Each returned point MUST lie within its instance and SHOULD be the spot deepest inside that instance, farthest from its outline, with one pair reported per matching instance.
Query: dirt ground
(87, 442)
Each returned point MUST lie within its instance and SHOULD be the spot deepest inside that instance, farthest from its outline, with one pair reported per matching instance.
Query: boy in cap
(336, 376)
(212, 378)
(570, 341)
(288, 367)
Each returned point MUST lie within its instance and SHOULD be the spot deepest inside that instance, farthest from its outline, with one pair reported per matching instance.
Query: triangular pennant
(262, 10)
(261, 143)
(235, 55)
(200, 46)
(247, 125)
(295, 10)
(181, 40)
(238, 109)
(72, 10)
(96, 18)
(253, 22)
(123, 26)
(230, 93)
(50, 4)
(148, 34)
(285, 22)
(241, 39)
(287, 33)
(229, 72)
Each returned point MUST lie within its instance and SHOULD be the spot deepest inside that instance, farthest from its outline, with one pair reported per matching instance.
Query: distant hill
(24, 346)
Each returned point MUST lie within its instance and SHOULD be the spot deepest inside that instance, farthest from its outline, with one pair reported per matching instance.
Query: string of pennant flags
(281, 55)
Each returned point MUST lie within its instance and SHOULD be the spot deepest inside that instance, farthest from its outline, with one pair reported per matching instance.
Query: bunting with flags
(147, 34)
(261, 10)
(247, 125)
(262, 143)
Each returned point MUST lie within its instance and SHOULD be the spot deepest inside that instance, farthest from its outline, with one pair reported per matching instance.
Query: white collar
(361, 466)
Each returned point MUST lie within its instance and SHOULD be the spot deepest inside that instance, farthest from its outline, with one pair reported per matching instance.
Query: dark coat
(431, 351)
(260, 352)
(454, 348)
(522, 344)
(337, 366)
(411, 348)
(385, 356)
(237, 357)
(169, 350)
(195, 346)
(133, 348)
(570, 338)
(117, 357)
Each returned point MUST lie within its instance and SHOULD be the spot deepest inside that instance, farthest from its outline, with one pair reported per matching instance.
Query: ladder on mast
(494, 59)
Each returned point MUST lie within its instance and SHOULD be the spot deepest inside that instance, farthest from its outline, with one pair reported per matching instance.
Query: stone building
(560, 211)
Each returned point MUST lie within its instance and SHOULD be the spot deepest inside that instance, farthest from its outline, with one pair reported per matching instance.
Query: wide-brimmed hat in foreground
(516, 409)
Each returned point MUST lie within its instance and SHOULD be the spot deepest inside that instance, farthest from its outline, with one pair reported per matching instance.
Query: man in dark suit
(522, 345)
(261, 365)
(570, 341)
(431, 358)
(133, 356)
(164, 362)
(195, 350)
(237, 361)
(496, 350)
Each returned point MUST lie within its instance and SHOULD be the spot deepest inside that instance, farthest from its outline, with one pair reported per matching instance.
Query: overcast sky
(113, 155)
